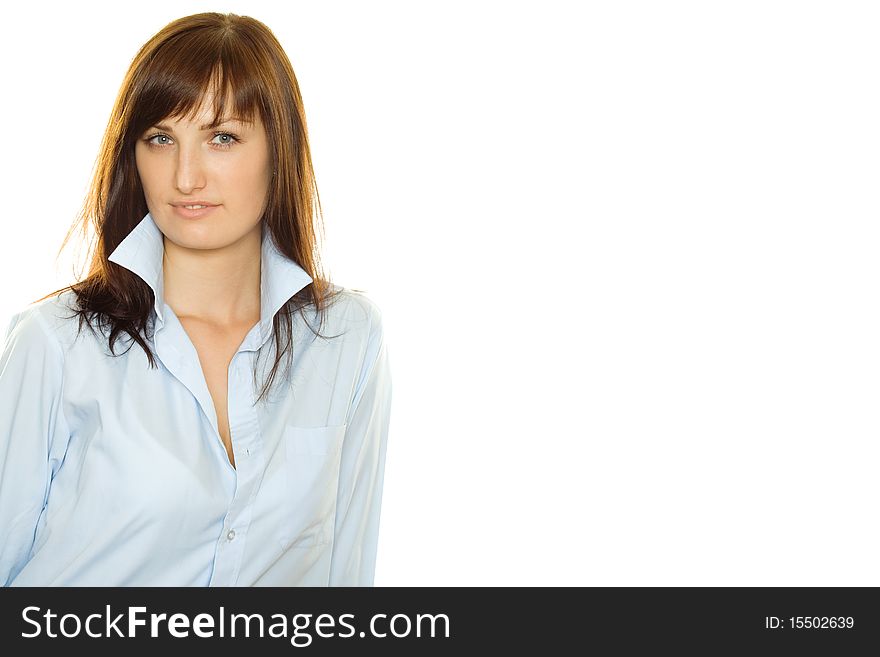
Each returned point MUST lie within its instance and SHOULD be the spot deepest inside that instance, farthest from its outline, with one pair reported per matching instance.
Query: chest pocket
(311, 474)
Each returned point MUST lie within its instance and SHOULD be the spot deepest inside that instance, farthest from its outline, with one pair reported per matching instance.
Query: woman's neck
(217, 286)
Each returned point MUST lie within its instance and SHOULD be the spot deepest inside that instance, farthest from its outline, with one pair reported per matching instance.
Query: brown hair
(168, 78)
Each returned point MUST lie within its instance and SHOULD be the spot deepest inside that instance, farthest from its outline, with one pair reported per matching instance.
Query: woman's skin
(211, 264)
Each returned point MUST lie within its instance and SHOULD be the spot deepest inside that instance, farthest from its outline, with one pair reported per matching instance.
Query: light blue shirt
(115, 474)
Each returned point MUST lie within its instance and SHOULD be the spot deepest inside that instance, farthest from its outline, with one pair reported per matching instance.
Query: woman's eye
(150, 140)
(231, 138)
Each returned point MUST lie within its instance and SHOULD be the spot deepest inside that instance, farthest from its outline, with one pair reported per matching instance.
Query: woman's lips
(193, 214)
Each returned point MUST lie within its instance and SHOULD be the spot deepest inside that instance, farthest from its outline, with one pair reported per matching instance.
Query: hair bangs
(178, 85)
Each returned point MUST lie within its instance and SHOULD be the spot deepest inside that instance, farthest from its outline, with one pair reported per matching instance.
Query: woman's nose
(190, 169)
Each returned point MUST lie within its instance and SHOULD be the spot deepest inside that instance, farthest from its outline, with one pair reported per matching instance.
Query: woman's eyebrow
(207, 126)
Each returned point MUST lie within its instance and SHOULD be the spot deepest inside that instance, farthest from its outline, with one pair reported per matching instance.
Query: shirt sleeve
(362, 468)
(31, 421)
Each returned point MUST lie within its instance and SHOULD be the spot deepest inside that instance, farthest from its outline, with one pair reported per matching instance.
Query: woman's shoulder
(48, 321)
(350, 308)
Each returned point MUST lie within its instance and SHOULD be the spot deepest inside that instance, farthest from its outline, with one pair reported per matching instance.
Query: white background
(626, 253)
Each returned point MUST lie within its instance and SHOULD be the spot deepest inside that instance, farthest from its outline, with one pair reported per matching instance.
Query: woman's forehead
(207, 102)
(203, 112)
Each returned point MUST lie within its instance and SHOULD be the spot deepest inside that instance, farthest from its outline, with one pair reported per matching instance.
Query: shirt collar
(142, 252)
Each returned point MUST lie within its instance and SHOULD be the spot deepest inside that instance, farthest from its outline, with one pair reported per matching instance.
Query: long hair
(168, 77)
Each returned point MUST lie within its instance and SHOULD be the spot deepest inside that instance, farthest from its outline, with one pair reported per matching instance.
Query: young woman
(202, 431)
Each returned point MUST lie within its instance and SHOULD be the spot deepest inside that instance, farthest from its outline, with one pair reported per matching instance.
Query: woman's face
(229, 166)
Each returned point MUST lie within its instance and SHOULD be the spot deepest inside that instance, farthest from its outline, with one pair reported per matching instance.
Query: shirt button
(231, 535)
